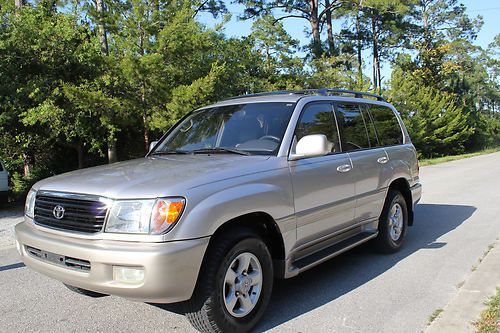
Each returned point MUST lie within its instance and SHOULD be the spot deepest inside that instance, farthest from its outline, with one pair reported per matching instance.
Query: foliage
(490, 318)
(80, 83)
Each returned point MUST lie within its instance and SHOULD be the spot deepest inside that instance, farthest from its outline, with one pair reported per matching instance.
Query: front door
(323, 186)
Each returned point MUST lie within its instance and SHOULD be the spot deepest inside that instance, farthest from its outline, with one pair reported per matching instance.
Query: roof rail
(357, 94)
(322, 92)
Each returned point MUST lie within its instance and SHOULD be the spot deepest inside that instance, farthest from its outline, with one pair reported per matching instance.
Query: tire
(392, 231)
(208, 310)
(85, 292)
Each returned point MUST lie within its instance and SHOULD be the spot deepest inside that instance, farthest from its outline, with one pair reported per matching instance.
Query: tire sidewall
(222, 316)
(393, 198)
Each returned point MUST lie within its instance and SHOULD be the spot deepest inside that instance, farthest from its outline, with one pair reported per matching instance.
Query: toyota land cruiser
(236, 194)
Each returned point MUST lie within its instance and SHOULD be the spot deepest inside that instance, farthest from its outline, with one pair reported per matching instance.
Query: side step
(332, 251)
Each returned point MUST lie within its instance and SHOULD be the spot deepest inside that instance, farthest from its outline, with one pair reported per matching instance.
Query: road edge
(460, 314)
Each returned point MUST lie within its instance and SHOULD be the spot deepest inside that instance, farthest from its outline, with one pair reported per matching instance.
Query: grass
(434, 315)
(481, 258)
(437, 160)
(489, 322)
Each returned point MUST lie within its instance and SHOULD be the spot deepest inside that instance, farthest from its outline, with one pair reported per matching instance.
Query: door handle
(344, 168)
(382, 160)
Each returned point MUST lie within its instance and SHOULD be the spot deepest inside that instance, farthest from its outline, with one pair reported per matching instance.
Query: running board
(332, 251)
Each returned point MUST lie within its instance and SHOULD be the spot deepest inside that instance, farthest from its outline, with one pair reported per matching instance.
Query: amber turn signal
(165, 213)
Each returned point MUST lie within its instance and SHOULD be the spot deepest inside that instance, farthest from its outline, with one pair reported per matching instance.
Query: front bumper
(170, 268)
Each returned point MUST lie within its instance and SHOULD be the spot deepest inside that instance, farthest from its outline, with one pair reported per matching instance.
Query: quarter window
(352, 126)
(387, 125)
(318, 118)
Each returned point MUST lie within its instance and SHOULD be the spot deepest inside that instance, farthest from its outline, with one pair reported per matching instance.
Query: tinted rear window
(387, 125)
(353, 131)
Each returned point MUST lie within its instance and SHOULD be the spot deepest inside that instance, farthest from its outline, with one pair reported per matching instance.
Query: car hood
(152, 177)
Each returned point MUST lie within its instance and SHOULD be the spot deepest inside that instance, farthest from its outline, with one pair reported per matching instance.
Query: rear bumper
(416, 193)
(170, 269)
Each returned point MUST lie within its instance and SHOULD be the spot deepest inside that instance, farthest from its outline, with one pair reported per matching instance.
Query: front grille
(82, 215)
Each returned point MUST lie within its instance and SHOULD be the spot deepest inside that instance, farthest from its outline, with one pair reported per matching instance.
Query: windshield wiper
(220, 150)
(170, 152)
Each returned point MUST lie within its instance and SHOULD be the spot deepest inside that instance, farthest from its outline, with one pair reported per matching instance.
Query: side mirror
(152, 145)
(312, 146)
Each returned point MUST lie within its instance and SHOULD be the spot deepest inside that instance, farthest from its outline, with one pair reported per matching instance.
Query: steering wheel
(271, 138)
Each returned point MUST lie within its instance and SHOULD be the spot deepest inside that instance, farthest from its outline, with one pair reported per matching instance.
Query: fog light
(132, 275)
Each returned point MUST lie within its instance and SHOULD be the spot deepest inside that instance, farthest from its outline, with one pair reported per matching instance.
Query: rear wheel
(234, 286)
(393, 223)
(84, 292)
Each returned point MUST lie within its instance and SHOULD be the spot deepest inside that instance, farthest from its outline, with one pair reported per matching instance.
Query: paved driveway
(356, 292)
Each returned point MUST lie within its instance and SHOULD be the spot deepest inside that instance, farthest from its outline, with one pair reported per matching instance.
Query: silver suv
(236, 194)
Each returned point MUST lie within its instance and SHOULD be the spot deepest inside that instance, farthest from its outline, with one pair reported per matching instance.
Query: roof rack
(322, 92)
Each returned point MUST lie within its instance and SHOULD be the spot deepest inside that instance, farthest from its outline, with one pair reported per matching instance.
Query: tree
(42, 51)
(277, 49)
(383, 26)
(314, 11)
(437, 124)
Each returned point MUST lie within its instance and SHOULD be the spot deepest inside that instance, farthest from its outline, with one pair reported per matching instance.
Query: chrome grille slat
(80, 215)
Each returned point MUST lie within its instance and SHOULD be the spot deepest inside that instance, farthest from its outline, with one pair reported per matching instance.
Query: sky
(488, 9)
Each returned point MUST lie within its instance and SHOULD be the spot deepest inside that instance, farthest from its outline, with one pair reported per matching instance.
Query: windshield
(255, 128)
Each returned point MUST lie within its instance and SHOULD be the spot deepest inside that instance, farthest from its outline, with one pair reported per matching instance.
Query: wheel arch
(402, 185)
(263, 225)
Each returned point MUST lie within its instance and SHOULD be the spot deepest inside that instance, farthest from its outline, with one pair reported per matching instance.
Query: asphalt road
(458, 217)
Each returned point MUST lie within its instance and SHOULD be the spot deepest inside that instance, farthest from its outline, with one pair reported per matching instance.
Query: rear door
(371, 169)
(323, 186)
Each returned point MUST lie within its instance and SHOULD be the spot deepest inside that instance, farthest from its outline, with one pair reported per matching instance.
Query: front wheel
(234, 286)
(393, 223)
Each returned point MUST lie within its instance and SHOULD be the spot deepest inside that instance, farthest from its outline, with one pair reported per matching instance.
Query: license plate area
(58, 259)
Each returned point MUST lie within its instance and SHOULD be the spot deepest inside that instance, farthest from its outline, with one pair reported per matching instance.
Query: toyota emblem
(58, 212)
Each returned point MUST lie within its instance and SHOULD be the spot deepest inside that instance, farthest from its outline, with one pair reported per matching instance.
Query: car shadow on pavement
(344, 273)
(340, 275)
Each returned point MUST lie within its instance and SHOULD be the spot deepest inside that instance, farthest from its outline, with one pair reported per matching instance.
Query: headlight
(29, 207)
(144, 216)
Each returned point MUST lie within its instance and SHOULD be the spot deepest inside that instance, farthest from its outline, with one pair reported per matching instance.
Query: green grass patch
(489, 321)
(434, 315)
(437, 160)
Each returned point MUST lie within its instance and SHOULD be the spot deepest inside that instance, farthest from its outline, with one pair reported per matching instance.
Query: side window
(387, 125)
(1, 167)
(353, 131)
(318, 118)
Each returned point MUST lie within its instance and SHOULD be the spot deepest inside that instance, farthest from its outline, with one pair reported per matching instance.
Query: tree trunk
(103, 38)
(18, 3)
(142, 52)
(81, 155)
(316, 47)
(147, 138)
(329, 28)
(376, 64)
(28, 164)
(359, 47)
(379, 76)
(112, 155)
